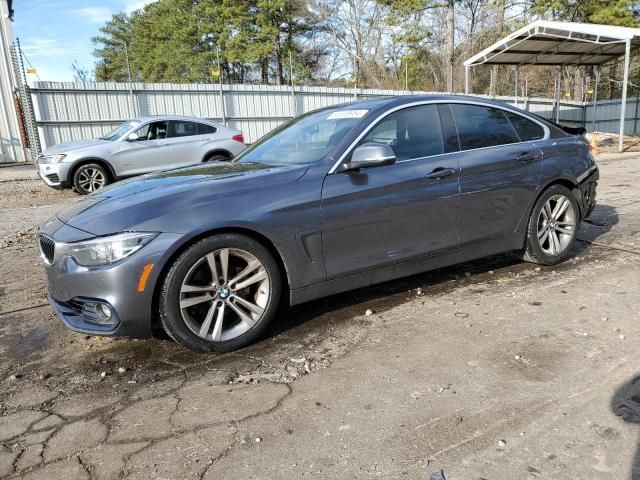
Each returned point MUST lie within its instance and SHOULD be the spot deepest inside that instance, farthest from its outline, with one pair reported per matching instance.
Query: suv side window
(178, 128)
(527, 130)
(412, 132)
(480, 127)
(152, 131)
(205, 129)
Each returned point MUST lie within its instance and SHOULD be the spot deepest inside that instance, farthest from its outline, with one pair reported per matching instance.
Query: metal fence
(607, 116)
(72, 111)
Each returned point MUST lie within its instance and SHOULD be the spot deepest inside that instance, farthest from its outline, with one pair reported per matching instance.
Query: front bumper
(55, 175)
(71, 286)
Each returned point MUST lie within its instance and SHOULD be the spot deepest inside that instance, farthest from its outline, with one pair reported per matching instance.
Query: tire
(248, 295)
(90, 177)
(549, 242)
(216, 157)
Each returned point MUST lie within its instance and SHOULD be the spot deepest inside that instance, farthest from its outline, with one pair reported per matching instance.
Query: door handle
(526, 157)
(440, 172)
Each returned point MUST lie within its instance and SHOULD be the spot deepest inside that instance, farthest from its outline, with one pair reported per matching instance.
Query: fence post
(223, 108)
(294, 107)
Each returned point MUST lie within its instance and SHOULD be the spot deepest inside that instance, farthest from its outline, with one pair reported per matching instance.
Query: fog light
(98, 312)
(105, 310)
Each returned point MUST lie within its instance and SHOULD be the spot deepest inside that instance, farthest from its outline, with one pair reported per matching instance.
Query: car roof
(398, 100)
(385, 103)
(147, 118)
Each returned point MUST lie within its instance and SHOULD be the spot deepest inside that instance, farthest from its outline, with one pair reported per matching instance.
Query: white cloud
(43, 47)
(95, 14)
(35, 47)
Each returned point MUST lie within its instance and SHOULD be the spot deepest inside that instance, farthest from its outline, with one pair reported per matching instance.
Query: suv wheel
(89, 178)
(220, 294)
(217, 157)
(553, 227)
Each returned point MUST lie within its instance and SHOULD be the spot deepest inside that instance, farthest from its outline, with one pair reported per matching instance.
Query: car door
(187, 141)
(499, 172)
(393, 213)
(148, 153)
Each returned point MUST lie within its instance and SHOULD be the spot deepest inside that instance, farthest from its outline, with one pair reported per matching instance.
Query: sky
(55, 33)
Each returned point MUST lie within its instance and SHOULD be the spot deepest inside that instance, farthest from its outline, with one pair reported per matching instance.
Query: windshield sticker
(347, 114)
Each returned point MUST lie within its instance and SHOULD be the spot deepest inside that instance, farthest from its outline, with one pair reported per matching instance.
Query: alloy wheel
(91, 179)
(224, 294)
(556, 225)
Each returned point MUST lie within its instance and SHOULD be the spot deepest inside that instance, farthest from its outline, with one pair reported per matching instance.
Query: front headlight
(104, 250)
(51, 158)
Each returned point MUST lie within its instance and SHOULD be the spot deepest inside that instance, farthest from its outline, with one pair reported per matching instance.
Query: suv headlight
(105, 250)
(52, 158)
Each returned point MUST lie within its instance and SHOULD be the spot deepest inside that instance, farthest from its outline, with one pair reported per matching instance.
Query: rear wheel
(553, 227)
(220, 294)
(90, 177)
(217, 157)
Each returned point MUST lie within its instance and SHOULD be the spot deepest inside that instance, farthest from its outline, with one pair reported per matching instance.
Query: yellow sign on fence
(215, 73)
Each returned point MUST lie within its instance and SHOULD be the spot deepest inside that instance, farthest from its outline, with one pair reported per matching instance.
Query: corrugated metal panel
(71, 111)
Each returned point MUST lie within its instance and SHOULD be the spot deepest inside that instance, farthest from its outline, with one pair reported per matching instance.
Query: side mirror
(133, 137)
(370, 155)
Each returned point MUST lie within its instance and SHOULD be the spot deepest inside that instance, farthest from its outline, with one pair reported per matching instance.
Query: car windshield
(305, 139)
(121, 130)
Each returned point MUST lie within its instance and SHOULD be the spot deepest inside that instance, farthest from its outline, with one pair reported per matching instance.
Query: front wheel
(220, 294)
(553, 227)
(90, 177)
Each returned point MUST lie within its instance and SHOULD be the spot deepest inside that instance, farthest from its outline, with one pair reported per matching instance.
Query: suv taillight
(238, 138)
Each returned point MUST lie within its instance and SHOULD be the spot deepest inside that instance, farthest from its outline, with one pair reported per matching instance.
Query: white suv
(140, 145)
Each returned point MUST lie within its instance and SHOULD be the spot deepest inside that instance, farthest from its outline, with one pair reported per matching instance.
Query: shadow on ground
(626, 404)
(601, 221)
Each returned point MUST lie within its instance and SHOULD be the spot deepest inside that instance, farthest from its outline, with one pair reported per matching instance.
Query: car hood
(153, 202)
(71, 146)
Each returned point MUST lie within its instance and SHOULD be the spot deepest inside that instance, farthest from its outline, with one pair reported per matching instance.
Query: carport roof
(559, 43)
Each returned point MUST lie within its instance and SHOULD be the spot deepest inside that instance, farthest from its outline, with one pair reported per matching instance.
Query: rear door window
(527, 130)
(412, 132)
(178, 128)
(480, 127)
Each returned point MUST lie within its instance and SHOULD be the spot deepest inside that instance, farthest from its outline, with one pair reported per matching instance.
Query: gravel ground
(495, 369)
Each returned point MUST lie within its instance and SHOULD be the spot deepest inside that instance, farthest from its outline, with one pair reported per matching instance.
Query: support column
(623, 106)
(595, 100)
(558, 88)
(466, 80)
(517, 68)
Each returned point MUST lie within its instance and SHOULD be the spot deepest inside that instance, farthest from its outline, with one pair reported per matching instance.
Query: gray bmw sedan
(336, 199)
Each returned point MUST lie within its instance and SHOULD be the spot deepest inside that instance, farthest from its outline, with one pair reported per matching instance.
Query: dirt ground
(608, 142)
(495, 369)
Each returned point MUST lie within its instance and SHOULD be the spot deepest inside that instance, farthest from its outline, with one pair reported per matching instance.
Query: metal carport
(562, 43)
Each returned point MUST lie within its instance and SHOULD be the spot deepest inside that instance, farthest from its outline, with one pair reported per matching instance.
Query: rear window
(480, 127)
(204, 129)
(527, 130)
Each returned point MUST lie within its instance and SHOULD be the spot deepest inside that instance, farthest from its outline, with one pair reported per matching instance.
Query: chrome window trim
(375, 122)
